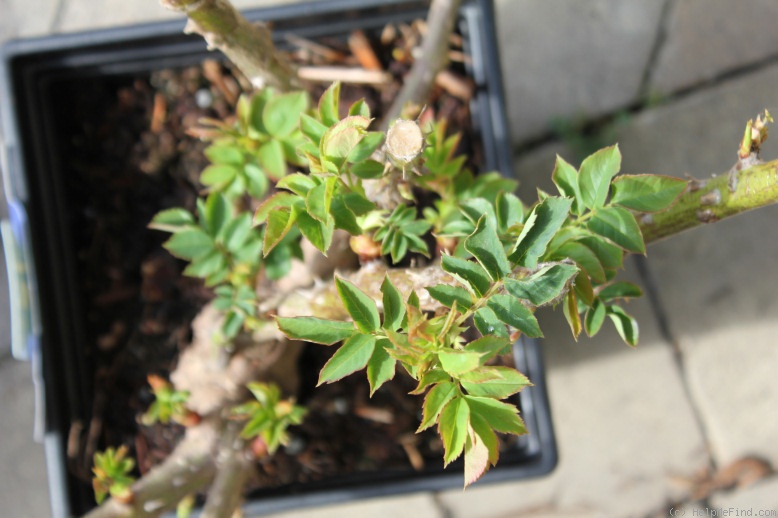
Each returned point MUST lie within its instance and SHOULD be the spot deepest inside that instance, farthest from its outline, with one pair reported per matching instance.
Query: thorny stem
(707, 201)
(249, 46)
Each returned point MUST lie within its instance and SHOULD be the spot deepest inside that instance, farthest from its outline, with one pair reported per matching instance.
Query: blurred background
(691, 410)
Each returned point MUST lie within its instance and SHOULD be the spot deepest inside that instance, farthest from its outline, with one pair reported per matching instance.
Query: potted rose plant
(451, 265)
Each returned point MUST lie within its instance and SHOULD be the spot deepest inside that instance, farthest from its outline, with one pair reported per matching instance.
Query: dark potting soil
(128, 156)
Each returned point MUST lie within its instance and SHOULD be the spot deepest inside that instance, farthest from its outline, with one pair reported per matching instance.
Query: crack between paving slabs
(663, 323)
(55, 24)
(662, 31)
(445, 511)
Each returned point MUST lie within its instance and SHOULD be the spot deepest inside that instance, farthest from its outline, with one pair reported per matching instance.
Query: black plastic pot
(48, 320)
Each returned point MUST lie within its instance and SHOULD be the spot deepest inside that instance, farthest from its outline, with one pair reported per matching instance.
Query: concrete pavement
(673, 81)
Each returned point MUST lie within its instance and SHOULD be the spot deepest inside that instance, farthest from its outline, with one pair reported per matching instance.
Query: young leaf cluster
(246, 155)
(401, 232)
(338, 152)
(268, 415)
(222, 248)
(111, 471)
(169, 404)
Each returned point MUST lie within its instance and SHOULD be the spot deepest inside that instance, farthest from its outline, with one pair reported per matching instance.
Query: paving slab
(625, 429)
(23, 489)
(421, 505)
(572, 59)
(23, 18)
(85, 14)
(706, 38)
(761, 499)
(718, 283)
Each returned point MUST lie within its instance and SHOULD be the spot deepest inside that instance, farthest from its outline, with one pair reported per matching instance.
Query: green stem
(708, 201)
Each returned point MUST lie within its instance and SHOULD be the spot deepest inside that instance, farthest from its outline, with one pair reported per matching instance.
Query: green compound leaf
(469, 272)
(281, 114)
(565, 178)
(453, 428)
(278, 263)
(595, 316)
(219, 176)
(316, 330)
(582, 286)
(429, 378)
(312, 129)
(361, 307)
(236, 232)
(482, 448)
(610, 256)
(172, 220)
(272, 160)
(280, 200)
(368, 169)
(250, 251)
(570, 310)
(352, 356)
(489, 346)
(646, 193)
(448, 295)
(279, 223)
(257, 183)
(618, 225)
(394, 306)
(456, 361)
(329, 104)
(319, 199)
(545, 220)
(434, 402)
(344, 217)
(511, 311)
(584, 256)
(497, 382)
(475, 208)
(620, 290)
(381, 366)
(487, 323)
(233, 323)
(298, 183)
(258, 102)
(366, 147)
(595, 176)
(625, 324)
(318, 233)
(357, 203)
(486, 247)
(360, 107)
(189, 244)
(502, 417)
(206, 265)
(343, 138)
(218, 212)
(543, 286)
(509, 211)
(225, 154)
